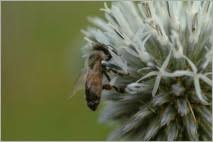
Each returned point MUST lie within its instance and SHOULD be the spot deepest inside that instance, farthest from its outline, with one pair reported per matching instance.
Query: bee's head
(103, 48)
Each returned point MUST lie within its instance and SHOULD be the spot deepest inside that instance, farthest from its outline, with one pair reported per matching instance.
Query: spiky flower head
(163, 52)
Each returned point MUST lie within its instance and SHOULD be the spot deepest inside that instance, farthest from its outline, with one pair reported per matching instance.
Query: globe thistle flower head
(161, 52)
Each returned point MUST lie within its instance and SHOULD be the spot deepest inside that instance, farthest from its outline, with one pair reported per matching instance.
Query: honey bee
(95, 74)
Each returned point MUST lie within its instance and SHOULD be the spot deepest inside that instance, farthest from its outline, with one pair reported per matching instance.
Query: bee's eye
(91, 64)
(91, 61)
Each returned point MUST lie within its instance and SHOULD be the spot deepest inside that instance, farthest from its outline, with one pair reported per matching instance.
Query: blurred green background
(41, 60)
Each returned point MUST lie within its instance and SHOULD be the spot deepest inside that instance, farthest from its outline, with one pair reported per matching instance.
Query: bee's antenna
(112, 49)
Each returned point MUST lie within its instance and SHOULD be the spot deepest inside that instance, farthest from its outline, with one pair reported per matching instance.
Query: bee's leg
(110, 87)
(113, 68)
(119, 89)
(107, 86)
(107, 76)
(104, 72)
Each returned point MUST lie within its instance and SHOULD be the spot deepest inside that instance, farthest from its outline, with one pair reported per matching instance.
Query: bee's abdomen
(93, 88)
(92, 99)
(93, 93)
(93, 85)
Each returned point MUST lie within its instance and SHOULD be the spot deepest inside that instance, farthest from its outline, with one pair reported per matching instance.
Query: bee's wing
(79, 83)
